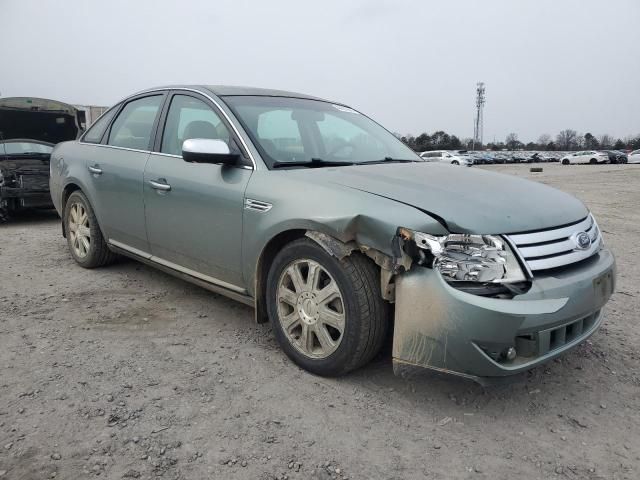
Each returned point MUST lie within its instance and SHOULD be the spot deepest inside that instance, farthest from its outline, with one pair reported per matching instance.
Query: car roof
(222, 90)
(234, 90)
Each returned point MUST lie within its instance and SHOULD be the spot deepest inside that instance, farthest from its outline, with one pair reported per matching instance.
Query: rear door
(116, 169)
(582, 157)
(194, 210)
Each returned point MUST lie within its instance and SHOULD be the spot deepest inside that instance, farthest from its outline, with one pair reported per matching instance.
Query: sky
(412, 65)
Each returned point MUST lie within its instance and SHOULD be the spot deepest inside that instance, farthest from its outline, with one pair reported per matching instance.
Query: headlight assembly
(462, 259)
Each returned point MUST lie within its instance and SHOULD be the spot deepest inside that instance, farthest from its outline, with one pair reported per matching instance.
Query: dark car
(29, 129)
(541, 157)
(616, 156)
(519, 157)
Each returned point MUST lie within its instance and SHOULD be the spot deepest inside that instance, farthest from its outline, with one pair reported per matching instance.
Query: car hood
(37, 119)
(467, 200)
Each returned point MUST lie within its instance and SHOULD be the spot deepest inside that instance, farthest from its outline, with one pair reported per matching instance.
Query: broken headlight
(466, 260)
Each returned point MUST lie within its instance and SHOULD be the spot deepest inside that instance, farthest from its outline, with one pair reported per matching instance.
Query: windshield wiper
(313, 163)
(390, 159)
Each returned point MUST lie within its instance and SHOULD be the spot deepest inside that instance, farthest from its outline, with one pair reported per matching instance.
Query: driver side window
(189, 117)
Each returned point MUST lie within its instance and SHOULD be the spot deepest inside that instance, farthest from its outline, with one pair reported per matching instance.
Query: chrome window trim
(244, 167)
(179, 268)
(116, 147)
(183, 89)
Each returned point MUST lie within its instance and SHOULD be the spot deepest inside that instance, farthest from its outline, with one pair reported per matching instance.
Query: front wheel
(455, 162)
(565, 161)
(593, 161)
(84, 237)
(327, 314)
(4, 215)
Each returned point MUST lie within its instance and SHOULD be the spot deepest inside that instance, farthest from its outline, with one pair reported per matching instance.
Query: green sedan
(335, 231)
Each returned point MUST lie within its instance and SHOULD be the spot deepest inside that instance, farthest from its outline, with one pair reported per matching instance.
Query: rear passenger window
(96, 131)
(132, 128)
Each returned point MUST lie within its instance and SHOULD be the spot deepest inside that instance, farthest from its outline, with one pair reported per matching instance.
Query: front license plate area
(603, 287)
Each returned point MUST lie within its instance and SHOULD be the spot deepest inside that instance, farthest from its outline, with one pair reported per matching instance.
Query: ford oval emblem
(582, 240)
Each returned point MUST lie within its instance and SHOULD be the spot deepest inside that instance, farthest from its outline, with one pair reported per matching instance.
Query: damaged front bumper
(448, 330)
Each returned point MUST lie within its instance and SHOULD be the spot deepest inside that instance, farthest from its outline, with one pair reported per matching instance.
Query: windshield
(24, 148)
(299, 130)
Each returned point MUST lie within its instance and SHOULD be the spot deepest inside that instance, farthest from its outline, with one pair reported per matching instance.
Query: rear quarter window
(133, 127)
(96, 131)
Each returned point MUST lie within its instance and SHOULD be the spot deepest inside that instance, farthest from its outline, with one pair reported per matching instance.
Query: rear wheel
(455, 162)
(84, 237)
(327, 314)
(565, 161)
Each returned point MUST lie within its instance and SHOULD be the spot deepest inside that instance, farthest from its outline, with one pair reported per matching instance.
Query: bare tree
(567, 139)
(606, 140)
(512, 141)
(544, 140)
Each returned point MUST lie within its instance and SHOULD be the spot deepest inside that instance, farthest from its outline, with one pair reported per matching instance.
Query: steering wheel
(344, 145)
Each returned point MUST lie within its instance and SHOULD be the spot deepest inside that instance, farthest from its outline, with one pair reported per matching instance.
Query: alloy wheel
(310, 308)
(79, 230)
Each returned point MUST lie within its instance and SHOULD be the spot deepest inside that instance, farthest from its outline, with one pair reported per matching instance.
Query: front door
(194, 210)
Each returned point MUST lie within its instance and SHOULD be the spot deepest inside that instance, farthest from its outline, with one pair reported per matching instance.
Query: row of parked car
(466, 158)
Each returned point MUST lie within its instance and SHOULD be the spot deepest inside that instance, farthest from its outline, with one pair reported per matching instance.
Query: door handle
(95, 170)
(159, 185)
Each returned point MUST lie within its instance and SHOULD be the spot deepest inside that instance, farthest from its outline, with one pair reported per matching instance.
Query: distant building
(89, 114)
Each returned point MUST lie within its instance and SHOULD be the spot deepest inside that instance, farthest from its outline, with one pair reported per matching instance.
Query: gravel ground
(126, 372)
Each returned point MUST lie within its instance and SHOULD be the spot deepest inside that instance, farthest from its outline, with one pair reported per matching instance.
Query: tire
(97, 254)
(565, 161)
(365, 314)
(4, 215)
(455, 162)
(593, 161)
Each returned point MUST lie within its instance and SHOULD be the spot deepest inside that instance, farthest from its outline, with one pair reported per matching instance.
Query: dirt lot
(126, 372)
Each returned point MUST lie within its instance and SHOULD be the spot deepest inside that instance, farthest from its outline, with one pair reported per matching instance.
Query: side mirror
(205, 150)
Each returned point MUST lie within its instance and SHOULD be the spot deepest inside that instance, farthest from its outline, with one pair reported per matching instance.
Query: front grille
(546, 341)
(34, 182)
(557, 247)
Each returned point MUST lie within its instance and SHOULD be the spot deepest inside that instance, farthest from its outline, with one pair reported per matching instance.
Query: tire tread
(101, 254)
(363, 278)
